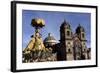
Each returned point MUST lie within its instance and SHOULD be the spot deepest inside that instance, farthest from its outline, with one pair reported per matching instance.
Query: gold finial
(38, 22)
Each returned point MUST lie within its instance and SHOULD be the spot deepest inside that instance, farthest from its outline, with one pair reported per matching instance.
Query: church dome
(50, 39)
(65, 25)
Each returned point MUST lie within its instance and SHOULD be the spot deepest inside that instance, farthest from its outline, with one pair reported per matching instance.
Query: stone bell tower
(66, 39)
(80, 31)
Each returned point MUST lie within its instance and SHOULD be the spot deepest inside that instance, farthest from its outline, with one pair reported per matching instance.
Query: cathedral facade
(72, 46)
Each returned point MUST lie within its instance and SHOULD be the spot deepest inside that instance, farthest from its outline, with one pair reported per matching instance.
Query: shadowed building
(66, 40)
(74, 43)
(72, 46)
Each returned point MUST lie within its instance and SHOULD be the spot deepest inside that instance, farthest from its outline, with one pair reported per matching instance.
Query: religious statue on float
(35, 50)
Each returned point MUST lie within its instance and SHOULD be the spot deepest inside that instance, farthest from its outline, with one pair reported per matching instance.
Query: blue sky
(53, 22)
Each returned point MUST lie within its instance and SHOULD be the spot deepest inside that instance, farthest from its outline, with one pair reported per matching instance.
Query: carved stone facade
(74, 43)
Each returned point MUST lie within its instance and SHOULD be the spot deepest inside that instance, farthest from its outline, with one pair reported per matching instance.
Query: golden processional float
(35, 50)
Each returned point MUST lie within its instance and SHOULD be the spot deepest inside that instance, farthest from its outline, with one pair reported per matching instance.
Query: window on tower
(68, 42)
(68, 33)
(69, 51)
(84, 44)
(83, 35)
